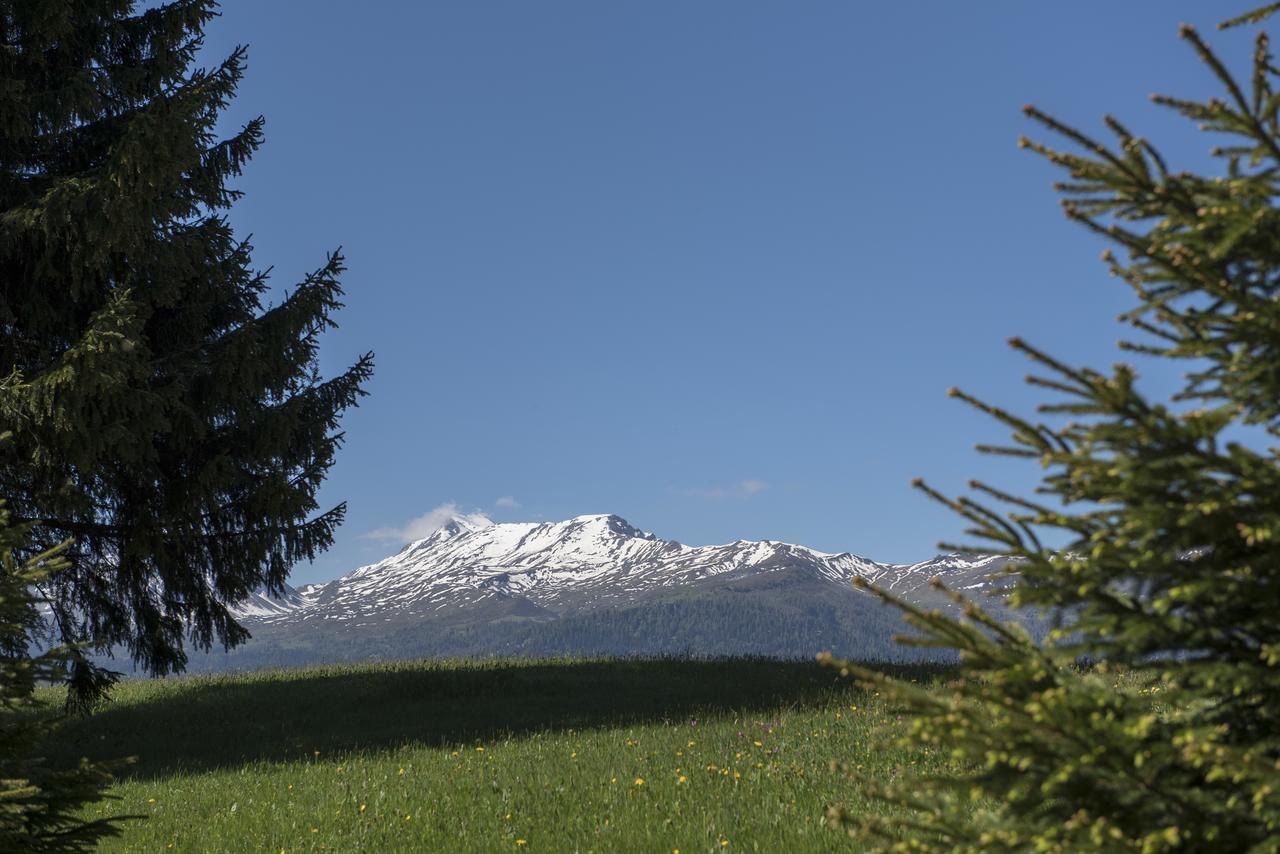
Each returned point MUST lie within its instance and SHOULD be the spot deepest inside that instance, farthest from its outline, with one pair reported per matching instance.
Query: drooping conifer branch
(166, 418)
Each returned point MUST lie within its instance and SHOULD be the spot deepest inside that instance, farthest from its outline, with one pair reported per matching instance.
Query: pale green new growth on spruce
(1170, 513)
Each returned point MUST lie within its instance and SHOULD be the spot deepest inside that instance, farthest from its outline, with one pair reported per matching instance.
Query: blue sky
(710, 266)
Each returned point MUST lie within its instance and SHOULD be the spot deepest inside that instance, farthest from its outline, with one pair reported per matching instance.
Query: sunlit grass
(593, 756)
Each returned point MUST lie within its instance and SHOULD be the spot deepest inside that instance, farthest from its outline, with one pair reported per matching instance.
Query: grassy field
(631, 755)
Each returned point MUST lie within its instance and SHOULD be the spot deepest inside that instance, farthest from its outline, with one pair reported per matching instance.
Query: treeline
(715, 624)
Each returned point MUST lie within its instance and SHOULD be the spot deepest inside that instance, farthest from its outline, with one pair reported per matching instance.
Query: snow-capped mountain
(263, 604)
(472, 568)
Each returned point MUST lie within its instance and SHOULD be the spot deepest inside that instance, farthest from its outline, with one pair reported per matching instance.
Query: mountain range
(595, 585)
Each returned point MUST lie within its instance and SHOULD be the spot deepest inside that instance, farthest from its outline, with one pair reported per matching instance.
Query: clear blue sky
(710, 266)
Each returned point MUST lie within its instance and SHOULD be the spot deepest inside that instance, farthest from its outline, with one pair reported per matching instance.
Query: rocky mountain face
(593, 585)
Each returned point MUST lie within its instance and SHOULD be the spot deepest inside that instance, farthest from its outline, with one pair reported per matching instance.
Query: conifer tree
(1150, 720)
(39, 805)
(166, 420)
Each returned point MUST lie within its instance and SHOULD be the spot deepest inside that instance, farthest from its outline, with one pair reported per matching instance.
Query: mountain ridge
(586, 560)
(596, 585)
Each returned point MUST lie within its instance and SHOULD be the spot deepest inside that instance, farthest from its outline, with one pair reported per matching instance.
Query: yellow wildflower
(639, 781)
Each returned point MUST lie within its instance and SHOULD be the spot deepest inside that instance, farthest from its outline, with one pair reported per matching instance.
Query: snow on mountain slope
(958, 571)
(564, 567)
(262, 604)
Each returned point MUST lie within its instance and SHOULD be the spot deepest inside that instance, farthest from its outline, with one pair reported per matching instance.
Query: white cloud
(417, 528)
(506, 502)
(742, 489)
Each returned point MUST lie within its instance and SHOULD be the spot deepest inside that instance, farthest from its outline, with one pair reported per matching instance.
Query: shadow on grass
(203, 723)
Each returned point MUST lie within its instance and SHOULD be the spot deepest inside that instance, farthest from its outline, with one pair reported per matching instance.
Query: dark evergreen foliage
(1171, 514)
(39, 803)
(165, 419)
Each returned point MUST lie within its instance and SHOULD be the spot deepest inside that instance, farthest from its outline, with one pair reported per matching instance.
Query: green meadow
(552, 755)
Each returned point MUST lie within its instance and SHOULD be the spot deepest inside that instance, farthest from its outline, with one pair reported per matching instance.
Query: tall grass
(629, 755)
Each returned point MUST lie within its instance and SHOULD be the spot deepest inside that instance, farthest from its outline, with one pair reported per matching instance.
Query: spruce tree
(166, 420)
(40, 805)
(1150, 720)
